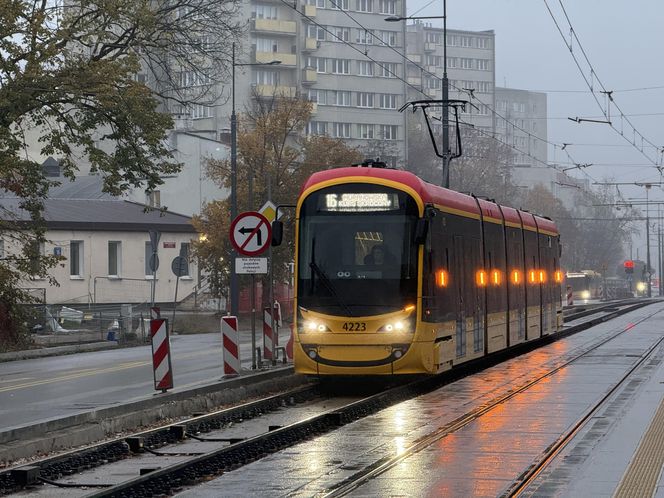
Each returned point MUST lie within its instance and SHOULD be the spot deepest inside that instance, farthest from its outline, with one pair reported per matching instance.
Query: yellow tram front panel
(367, 345)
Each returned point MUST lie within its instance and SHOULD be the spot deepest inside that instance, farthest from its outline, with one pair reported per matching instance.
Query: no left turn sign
(250, 233)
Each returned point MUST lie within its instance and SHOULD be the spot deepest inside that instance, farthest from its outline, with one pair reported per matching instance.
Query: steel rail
(381, 466)
(216, 462)
(52, 468)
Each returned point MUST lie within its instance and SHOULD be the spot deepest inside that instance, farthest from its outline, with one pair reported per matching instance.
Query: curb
(84, 428)
(28, 354)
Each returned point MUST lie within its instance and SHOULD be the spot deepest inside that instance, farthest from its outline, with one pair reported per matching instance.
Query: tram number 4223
(354, 327)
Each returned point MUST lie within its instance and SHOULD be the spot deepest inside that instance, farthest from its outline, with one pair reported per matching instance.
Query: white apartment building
(340, 54)
(470, 70)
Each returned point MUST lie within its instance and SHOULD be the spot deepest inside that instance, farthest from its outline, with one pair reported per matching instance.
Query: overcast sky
(623, 41)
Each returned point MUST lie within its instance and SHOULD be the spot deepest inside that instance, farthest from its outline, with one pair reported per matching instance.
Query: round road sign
(251, 233)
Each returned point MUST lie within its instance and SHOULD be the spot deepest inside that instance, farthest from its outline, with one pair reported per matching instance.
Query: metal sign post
(179, 268)
(155, 235)
(251, 234)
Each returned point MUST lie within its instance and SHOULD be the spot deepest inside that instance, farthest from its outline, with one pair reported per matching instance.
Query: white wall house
(106, 250)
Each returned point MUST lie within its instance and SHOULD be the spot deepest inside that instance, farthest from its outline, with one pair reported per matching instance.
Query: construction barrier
(161, 355)
(268, 334)
(230, 338)
(570, 296)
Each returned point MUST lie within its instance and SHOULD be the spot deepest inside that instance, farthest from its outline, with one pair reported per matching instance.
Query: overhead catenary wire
(593, 74)
(404, 56)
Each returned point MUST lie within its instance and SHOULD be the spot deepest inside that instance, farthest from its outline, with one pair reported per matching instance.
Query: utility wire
(593, 75)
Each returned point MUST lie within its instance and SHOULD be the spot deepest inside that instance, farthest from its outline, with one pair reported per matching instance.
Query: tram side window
(443, 294)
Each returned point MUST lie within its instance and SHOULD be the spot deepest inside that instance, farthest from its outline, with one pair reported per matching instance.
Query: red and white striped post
(268, 335)
(570, 296)
(161, 355)
(230, 338)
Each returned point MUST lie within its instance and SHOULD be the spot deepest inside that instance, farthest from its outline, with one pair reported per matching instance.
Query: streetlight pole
(648, 241)
(447, 156)
(445, 97)
(235, 292)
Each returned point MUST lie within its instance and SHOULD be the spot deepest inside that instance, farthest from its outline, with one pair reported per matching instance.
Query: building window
(341, 98)
(388, 101)
(483, 64)
(364, 36)
(317, 32)
(452, 62)
(266, 77)
(266, 11)
(266, 45)
(483, 43)
(364, 5)
(340, 34)
(340, 66)
(36, 251)
(318, 63)
(365, 68)
(366, 131)
(466, 63)
(388, 132)
(484, 86)
(388, 69)
(387, 6)
(76, 258)
(317, 128)
(340, 4)
(154, 198)
(317, 96)
(466, 41)
(341, 130)
(200, 111)
(184, 252)
(114, 258)
(433, 38)
(388, 38)
(365, 99)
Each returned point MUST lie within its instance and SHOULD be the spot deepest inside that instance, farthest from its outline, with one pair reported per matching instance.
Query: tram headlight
(641, 286)
(398, 326)
(585, 294)
(313, 326)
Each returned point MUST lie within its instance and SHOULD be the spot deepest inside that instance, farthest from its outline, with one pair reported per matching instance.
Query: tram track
(381, 466)
(236, 453)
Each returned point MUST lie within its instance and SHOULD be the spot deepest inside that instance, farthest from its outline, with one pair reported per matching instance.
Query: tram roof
(433, 194)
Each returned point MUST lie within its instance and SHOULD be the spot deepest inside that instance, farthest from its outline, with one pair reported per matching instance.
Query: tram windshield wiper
(326, 281)
(330, 287)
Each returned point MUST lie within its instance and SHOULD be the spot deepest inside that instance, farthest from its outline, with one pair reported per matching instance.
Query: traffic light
(629, 266)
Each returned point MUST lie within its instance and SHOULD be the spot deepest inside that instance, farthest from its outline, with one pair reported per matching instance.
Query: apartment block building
(470, 70)
(523, 125)
(340, 54)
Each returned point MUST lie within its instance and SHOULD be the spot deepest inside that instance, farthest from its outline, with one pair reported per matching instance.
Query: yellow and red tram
(398, 276)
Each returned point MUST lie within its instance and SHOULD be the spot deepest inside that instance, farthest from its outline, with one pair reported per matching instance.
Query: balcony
(314, 107)
(415, 58)
(275, 91)
(310, 44)
(286, 59)
(310, 10)
(309, 76)
(275, 26)
(429, 47)
(414, 80)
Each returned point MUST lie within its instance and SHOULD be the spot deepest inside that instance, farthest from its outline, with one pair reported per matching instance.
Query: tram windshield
(357, 255)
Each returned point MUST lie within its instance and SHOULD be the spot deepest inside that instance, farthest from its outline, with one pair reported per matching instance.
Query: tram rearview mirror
(421, 230)
(277, 232)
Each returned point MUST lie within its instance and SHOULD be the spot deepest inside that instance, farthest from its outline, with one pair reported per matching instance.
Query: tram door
(461, 271)
(478, 298)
